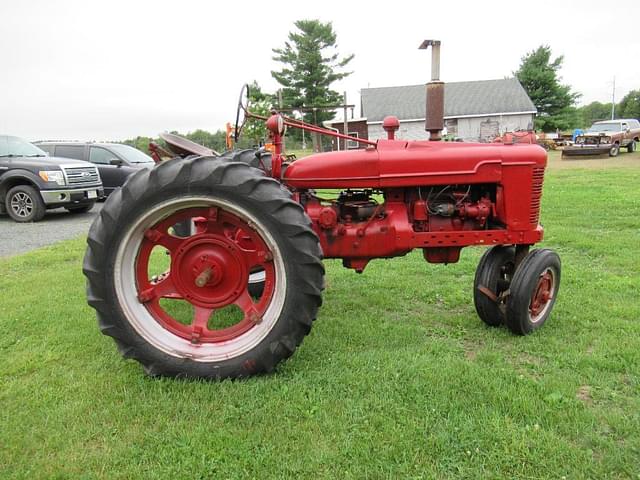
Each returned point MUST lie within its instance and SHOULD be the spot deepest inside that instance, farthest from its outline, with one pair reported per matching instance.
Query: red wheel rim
(209, 269)
(542, 295)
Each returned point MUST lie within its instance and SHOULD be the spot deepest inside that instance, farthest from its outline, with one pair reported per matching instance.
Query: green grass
(398, 379)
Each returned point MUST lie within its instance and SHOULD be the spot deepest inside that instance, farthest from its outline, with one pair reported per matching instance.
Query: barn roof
(484, 97)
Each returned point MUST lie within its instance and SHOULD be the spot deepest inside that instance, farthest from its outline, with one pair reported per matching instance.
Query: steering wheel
(241, 117)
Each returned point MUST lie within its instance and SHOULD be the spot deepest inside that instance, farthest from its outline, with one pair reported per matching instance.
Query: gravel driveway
(57, 225)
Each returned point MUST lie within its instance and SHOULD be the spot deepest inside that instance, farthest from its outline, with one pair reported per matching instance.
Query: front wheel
(23, 203)
(533, 291)
(614, 151)
(182, 305)
(492, 280)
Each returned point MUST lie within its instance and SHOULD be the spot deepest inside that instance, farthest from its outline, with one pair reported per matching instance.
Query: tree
(593, 112)
(260, 103)
(538, 74)
(215, 141)
(311, 64)
(629, 106)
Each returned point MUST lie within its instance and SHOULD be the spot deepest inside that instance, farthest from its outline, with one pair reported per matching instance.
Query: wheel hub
(542, 293)
(210, 271)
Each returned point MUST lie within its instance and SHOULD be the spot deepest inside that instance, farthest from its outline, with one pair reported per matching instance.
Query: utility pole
(345, 125)
(613, 99)
(280, 105)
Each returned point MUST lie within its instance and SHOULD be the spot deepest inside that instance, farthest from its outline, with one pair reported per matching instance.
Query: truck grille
(81, 175)
(536, 195)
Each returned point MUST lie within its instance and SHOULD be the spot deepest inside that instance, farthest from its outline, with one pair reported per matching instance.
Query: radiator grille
(82, 175)
(536, 195)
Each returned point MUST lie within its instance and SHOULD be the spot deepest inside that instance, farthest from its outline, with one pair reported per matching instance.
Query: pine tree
(311, 64)
(538, 74)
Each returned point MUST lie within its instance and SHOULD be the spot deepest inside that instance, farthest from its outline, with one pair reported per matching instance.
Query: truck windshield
(18, 147)
(605, 127)
(132, 155)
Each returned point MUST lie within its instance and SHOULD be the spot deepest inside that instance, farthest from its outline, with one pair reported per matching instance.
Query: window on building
(351, 144)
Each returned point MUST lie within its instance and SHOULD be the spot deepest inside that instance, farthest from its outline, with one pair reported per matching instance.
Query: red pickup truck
(606, 137)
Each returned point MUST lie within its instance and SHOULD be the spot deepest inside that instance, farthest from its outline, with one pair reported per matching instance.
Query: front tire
(23, 203)
(615, 150)
(534, 290)
(492, 279)
(243, 221)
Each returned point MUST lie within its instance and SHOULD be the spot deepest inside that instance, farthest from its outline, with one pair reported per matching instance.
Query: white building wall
(407, 131)
(468, 128)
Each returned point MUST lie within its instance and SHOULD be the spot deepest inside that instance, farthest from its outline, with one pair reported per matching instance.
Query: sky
(110, 70)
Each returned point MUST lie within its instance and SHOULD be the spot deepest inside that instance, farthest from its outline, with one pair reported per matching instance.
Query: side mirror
(116, 161)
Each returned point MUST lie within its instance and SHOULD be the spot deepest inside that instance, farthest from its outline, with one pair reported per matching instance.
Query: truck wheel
(533, 291)
(24, 204)
(81, 208)
(632, 146)
(198, 318)
(615, 150)
(493, 277)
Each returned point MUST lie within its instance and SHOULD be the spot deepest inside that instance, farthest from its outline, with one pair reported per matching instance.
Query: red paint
(492, 194)
(542, 294)
(506, 214)
(209, 269)
(390, 125)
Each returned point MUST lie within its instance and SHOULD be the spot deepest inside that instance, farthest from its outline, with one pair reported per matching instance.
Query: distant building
(475, 111)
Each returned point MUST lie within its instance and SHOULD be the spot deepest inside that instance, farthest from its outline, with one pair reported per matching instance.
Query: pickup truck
(32, 182)
(606, 137)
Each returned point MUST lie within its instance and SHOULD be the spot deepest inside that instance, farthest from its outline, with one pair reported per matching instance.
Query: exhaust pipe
(434, 123)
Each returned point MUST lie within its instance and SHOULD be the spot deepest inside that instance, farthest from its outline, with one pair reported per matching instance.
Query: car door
(625, 133)
(112, 175)
(4, 159)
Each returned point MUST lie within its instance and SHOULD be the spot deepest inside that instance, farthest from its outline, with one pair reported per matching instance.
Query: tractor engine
(362, 224)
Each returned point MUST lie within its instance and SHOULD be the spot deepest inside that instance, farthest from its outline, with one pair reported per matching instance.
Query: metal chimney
(435, 93)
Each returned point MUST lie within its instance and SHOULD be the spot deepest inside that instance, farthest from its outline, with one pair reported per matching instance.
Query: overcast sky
(101, 70)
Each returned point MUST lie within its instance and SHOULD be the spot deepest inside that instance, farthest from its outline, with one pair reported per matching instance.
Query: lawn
(398, 379)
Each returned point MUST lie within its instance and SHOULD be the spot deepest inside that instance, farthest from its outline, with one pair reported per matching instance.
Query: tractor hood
(398, 163)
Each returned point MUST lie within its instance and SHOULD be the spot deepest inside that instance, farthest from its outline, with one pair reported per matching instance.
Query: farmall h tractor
(235, 292)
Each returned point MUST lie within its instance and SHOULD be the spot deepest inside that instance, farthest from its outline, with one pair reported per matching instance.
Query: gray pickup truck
(32, 182)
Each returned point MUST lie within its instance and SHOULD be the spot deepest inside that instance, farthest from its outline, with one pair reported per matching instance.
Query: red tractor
(235, 292)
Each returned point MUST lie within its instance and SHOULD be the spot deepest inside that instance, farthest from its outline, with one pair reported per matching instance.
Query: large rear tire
(243, 221)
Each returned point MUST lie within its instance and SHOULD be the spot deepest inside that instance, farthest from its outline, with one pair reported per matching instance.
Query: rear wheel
(183, 305)
(632, 146)
(533, 291)
(24, 204)
(253, 158)
(492, 279)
